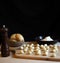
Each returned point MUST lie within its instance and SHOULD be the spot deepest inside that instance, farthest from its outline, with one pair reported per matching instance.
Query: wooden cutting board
(39, 57)
(36, 57)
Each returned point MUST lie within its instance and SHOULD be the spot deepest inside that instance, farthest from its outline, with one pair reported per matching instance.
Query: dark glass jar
(4, 42)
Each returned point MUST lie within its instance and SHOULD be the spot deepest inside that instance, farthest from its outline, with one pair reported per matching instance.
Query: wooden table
(10, 59)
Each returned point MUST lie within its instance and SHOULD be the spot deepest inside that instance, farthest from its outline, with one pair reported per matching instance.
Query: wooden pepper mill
(4, 42)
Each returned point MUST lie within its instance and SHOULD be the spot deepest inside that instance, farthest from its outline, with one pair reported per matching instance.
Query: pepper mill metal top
(4, 28)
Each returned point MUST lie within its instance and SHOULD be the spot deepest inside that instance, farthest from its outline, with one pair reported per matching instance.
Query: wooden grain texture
(37, 58)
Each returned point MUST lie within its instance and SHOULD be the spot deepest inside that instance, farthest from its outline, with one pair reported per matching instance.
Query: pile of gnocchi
(36, 49)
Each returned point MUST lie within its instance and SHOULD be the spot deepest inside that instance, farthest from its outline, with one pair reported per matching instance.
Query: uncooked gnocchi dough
(45, 54)
(29, 52)
(36, 49)
(20, 52)
(53, 55)
(21, 47)
(38, 52)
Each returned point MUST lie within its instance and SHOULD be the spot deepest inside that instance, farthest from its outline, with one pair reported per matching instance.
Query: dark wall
(31, 18)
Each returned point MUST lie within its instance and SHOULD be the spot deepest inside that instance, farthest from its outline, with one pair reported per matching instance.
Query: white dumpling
(38, 52)
(27, 45)
(50, 46)
(37, 45)
(44, 49)
(56, 48)
(37, 48)
(47, 47)
(24, 45)
(32, 44)
(20, 52)
(29, 52)
(53, 51)
(31, 47)
(53, 55)
(45, 54)
(21, 47)
(25, 49)
(41, 46)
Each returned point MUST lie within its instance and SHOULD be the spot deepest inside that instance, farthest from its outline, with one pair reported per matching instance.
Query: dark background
(31, 18)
